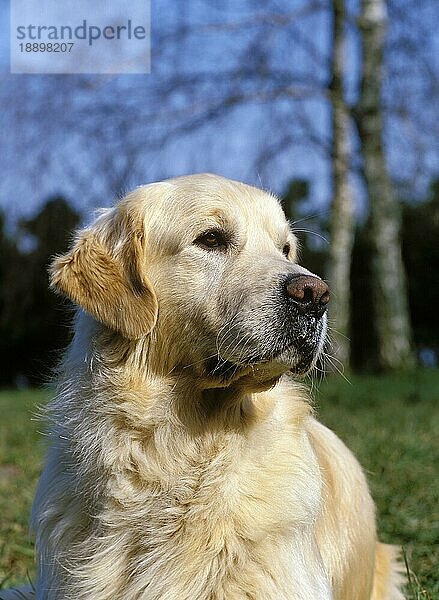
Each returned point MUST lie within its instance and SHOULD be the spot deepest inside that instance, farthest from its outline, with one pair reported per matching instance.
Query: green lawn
(391, 424)
(21, 450)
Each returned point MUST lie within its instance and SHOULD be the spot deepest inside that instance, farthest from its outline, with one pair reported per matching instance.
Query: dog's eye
(211, 240)
(286, 250)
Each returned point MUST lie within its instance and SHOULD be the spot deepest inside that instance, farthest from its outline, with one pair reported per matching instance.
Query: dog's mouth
(296, 352)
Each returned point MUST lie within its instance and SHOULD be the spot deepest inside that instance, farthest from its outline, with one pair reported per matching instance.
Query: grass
(390, 423)
(21, 451)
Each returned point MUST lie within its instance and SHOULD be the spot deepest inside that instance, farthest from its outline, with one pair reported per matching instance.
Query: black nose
(310, 295)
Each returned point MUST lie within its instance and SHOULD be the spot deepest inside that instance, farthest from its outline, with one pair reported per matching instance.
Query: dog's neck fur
(164, 461)
(197, 401)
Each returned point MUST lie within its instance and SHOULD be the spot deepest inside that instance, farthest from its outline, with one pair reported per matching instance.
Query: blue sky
(88, 136)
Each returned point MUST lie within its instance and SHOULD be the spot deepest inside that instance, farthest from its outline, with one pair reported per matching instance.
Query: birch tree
(341, 221)
(389, 286)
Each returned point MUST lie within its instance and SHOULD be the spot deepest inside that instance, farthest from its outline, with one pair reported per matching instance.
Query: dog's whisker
(310, 232)
(227, 326)
(332, 329)
(332, 360)
(309, 217)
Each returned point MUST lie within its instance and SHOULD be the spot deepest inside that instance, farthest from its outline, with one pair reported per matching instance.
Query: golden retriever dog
(185, 460)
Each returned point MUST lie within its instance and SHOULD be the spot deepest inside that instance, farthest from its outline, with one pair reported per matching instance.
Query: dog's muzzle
(290, 336)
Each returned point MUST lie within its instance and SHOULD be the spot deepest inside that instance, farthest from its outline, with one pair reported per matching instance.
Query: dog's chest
(265, 483)
(239, 519)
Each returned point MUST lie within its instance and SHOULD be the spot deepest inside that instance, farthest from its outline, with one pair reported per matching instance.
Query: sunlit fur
(165, 481)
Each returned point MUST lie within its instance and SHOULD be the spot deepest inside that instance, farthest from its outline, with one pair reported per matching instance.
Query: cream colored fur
(165, 481)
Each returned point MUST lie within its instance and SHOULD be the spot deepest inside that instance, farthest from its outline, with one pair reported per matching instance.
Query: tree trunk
(389, 286)
(341, 225)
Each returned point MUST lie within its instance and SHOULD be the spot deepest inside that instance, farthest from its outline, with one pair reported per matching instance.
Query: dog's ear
(110, 284)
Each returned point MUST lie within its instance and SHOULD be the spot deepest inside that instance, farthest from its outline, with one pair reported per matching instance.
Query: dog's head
(206, 267)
